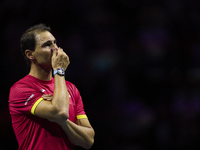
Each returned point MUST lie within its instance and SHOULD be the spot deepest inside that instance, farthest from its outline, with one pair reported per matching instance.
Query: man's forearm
(61, 97)
(78, 135)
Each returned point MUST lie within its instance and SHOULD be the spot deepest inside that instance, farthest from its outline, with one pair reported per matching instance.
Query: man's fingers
(47, 97)
(61, 60)
(54, 52)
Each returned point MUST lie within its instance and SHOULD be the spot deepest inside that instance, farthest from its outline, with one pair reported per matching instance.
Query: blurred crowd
(135, 63)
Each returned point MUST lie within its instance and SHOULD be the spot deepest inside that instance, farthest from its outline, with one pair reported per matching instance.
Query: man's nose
(54, 47)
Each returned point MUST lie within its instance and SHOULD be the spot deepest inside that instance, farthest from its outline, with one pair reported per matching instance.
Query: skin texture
(48, 55)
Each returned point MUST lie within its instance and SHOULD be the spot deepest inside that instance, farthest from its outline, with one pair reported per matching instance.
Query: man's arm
(80, 134)
(57, 109)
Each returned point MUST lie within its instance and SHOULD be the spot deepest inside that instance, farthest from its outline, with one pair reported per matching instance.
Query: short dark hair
(28, 40)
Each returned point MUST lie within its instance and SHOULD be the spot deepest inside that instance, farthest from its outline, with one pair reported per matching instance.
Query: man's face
(45, 44)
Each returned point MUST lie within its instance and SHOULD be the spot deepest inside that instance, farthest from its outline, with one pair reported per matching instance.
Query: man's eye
(48, 44)
(55, 42)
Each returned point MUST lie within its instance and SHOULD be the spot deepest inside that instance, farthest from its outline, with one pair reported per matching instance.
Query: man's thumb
(54, 52)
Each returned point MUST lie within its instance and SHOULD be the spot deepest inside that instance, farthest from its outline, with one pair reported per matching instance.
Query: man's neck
(40, 73)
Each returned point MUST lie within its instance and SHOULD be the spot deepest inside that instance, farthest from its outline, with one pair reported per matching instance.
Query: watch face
(61, 71)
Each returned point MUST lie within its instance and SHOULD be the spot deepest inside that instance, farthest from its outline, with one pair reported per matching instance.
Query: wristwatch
(59, 71)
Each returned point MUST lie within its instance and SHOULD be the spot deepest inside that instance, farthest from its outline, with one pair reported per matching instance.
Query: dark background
(136, 64)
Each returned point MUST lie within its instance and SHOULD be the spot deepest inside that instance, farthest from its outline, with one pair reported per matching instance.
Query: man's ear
(29, 54)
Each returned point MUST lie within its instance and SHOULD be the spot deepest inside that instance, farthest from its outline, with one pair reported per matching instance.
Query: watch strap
(59, 71)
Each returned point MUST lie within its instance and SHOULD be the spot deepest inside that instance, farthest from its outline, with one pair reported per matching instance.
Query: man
(41, 121)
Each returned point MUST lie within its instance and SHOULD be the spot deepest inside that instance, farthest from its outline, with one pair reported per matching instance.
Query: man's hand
(47, 97)
(59, 59)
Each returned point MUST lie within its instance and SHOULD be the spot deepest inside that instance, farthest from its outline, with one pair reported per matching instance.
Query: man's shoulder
(22, 86)
(25, 81)
(70, 85)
